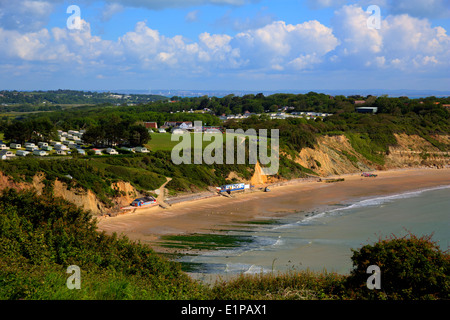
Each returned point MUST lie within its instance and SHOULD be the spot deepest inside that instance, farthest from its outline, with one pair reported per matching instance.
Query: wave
(377, 201)
(245, 268)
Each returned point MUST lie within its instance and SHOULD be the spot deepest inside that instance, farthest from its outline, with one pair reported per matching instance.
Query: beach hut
(145, 201)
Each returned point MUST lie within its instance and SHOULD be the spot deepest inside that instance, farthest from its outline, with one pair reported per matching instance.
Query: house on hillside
(181, 124)
(151, 125)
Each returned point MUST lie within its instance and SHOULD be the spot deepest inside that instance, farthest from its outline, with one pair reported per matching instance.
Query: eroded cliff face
(85, 199)
(414, 151)
(334, 155)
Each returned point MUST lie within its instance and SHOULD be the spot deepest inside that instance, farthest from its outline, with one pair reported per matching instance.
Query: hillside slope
(331, 155)
(335, 155)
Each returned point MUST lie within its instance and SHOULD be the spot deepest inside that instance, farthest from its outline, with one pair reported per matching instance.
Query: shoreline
(211, 214)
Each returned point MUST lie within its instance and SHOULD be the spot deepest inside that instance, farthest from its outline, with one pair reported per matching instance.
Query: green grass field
(163, 141)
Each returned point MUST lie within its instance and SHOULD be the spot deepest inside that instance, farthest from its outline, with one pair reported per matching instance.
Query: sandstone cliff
(333, 155)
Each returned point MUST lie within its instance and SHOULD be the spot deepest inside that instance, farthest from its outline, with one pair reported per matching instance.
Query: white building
(40, 153)
(111, 151)
(141, 149)
(6, 154)
(22, 153)
(61, 147)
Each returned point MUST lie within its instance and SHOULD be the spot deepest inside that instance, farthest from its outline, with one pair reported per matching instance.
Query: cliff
(85, 199)
(332, 155)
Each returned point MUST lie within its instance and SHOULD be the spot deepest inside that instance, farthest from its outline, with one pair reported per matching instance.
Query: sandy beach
(304, 196)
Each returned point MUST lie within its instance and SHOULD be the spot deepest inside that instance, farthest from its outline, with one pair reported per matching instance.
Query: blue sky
(225, 45)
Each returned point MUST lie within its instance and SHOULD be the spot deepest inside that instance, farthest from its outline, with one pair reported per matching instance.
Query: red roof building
(151, 125)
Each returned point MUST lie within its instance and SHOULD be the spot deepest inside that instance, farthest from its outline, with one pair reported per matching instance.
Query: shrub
(411, 268)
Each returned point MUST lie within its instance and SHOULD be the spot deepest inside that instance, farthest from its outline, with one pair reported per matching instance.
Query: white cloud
(416, 8)
(260, 19)
(421, 8)
(192, 16)
(110, 10)
(25, 15)
(403, 42)
(278, 44)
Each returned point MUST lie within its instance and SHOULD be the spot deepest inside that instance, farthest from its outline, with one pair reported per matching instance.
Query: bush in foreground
(411, 268)
(40, 237)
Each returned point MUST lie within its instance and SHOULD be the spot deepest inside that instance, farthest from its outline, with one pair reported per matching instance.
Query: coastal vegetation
(40, 237)
(371, 137)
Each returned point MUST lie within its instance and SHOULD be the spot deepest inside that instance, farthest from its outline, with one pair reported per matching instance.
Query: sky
(225, 45)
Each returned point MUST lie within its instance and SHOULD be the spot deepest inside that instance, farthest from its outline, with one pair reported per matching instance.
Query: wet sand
(216, 213)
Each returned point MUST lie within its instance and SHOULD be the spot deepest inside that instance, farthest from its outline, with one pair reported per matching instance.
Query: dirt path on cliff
(162, 192)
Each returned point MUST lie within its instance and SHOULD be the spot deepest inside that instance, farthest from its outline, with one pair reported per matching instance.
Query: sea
(323, 240)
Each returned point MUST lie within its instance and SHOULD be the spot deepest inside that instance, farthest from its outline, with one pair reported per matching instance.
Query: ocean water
(324, 240)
